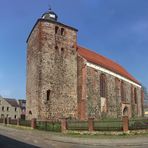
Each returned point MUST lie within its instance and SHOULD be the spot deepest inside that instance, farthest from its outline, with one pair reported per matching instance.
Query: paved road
(18, 138)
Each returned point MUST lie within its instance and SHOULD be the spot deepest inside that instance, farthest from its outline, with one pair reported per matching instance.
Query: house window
(103, 86)
(135, 95)
(15, 109)
(62, 31)
(2, 108)
(7, 108)
(48, 95)
(122, 92)
(14, 116)
(56, 29)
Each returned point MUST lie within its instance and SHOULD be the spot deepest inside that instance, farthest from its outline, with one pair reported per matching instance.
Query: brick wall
(113, 100)
(52, 65)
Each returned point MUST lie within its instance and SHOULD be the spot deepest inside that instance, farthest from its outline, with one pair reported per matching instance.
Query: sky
(117, 29)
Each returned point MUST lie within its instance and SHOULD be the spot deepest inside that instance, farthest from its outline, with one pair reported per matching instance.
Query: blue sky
(117, 29)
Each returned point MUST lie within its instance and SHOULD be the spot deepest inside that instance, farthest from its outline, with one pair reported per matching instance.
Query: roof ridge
(100, 55)
(105, 62)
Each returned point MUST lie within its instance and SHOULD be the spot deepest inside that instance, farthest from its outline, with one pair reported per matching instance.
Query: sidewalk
(42, 138)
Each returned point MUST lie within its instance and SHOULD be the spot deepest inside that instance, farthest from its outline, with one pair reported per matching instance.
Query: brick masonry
(54, 65)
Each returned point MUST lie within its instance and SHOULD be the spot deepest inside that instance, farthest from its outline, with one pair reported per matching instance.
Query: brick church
(66, 80)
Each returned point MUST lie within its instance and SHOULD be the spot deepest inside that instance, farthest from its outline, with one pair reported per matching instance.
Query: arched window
(62, 31)
(62, 50)
(122, 92)
(117, 84)
(135, 95)
(125, 111)
(56, 29)
(103, 86)
(56, 47)
(30, 113)
(48, 95)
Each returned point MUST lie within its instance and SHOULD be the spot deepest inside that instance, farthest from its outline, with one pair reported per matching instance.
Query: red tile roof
(105, 62)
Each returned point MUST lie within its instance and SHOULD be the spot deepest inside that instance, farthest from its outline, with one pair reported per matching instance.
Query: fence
(25, 123)
(108, 125)
(13, 121)
(136, 124)
(54, 126)
(91, 125)
(77, 125)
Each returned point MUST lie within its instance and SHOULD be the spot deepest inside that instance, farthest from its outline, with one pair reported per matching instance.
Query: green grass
(107, 135)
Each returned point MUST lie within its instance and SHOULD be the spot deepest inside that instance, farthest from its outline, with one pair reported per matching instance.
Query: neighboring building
(22, 105)
(66, 80)
(10, 108)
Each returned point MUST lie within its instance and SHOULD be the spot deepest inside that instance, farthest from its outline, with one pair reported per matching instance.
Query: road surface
(24, 138)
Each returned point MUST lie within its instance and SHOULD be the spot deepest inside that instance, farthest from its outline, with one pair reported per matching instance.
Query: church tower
(51, 69)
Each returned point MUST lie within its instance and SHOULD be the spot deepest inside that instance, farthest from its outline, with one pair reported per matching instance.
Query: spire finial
(50, 15)
(49, 7)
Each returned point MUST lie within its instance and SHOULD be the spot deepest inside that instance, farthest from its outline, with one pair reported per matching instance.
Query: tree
(145, 93)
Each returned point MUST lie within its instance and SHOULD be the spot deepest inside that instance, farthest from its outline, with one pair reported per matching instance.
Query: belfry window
(56, 48)
(62, 50)
(62, 31)
(56, 29)
(103, 87)
(48, 94)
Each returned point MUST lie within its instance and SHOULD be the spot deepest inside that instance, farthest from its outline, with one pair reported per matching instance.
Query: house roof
(12, 102)
(105, 63)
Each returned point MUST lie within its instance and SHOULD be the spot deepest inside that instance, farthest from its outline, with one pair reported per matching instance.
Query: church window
(132, 94)
(2, 108)
(62, 31)
(30, 112)
(62, 50)
(56, 29)
(56, 48)
(122, 92)
(135, 95)
(48, 94)
(103, 86)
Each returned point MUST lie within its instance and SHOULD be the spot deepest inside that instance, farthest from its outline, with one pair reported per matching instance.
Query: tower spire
(50, 15)
(49, 7)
